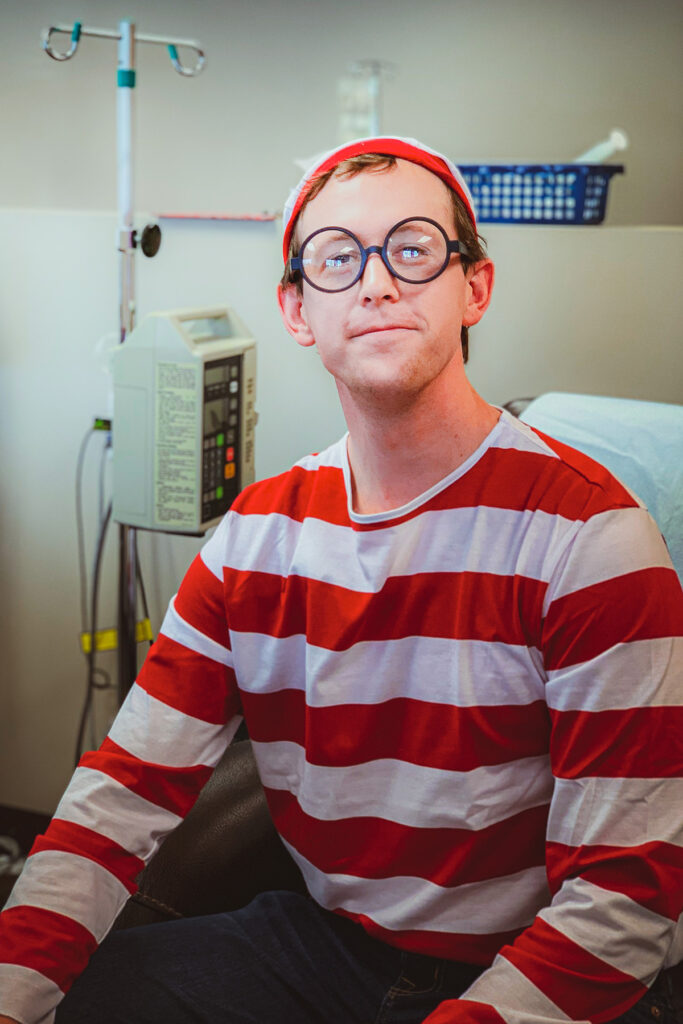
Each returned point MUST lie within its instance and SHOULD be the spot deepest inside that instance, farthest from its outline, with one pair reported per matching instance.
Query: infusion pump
(184, 418)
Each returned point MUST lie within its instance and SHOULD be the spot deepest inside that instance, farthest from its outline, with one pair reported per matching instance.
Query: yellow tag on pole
(107, 639)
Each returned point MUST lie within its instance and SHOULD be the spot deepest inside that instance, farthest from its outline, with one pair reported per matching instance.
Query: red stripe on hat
(386, 146)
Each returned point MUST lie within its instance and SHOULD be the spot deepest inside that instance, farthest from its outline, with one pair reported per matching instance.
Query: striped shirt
(466, 717)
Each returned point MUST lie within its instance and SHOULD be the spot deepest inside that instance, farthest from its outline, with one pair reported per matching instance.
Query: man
(456, 645)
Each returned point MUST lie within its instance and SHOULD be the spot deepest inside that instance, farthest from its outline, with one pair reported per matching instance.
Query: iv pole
(126, 245)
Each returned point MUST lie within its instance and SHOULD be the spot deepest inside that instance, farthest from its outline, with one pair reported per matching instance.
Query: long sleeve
(122, 800)
(613, 656)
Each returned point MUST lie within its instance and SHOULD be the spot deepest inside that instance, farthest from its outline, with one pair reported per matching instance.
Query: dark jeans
(281, 960)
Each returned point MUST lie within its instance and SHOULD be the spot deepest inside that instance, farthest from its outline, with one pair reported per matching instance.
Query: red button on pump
(229, 454)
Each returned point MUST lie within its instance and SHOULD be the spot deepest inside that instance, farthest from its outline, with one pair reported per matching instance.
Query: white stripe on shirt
(612, 927)
(407, 903)
(26, 994)
(92, 892)
(534, 1007)
(176, 628)
(98, 802)
(156, 732)
(481, 539)
(408, 794)
(460, 673)
(627, 537)
(643, 673)
(616, 811)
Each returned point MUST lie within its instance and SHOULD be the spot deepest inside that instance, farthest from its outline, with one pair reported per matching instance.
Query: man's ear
(480, 279)
(290, 301)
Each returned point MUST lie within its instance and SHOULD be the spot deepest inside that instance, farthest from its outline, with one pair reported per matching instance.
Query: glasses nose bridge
(378, 250)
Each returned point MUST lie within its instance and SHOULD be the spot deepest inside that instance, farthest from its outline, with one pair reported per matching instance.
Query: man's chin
(382, 393)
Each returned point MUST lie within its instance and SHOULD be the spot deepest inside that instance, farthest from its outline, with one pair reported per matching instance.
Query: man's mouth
(380, 329)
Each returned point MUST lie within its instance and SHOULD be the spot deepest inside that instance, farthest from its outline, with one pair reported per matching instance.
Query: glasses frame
(453, 246)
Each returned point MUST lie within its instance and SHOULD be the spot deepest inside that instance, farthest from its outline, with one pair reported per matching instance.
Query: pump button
(219, 493)
(220, 440)
(229, 470)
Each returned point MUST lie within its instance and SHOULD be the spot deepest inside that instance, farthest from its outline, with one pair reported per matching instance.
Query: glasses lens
(331, 259)
(417, 250)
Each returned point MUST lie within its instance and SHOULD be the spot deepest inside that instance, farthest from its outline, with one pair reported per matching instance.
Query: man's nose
(377, 282)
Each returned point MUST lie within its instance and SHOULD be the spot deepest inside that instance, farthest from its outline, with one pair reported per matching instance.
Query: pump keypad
(222, 408)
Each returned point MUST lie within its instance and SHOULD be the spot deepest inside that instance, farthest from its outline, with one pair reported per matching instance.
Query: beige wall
(520, 80)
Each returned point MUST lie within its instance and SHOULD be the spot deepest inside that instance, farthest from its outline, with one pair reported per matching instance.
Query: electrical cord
(141, 585)
(97, 677)
(92, 669)
(90, 433)
(103, 468)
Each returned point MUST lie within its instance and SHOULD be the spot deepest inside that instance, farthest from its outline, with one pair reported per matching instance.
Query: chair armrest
(224, 853)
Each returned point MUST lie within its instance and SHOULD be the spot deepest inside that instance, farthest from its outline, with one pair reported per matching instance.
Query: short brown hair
(465, 230)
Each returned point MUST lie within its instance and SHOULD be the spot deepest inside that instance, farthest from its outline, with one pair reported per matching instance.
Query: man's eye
(341, 260)
(410, 253)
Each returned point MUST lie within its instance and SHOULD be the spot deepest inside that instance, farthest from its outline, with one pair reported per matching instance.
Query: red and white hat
(406, 149)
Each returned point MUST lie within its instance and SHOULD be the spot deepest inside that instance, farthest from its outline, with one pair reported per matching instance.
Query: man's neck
(398, 453)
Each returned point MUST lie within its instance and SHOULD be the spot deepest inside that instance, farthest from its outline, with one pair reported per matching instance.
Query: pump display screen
(208, 328)
(221, 428)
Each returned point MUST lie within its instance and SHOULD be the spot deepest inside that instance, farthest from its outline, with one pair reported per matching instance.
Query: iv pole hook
(55, 54)
(102, 33)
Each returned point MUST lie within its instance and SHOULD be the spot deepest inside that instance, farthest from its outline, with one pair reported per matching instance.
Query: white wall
(529, 80)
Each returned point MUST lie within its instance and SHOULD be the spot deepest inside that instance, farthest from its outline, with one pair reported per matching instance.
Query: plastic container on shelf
(540, 193)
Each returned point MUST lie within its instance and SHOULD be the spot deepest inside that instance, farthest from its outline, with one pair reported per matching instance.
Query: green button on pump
(220, 440)
(219, 493)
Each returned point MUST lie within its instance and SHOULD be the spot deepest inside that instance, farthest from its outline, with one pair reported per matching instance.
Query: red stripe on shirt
(464, 946)
(174, 789)
(640, 743)
(190, 682)
(68, 837)
(378, 848)
(650, 874)
(22, 942)
(297, 494)
(419, 732)
(502, 478)
(641, 605)
(199, 602)
(468, 606)
(579, 982)
(464, 1011)
(614, 492)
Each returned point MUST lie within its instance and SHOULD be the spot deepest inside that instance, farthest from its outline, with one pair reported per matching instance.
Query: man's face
(384, 339)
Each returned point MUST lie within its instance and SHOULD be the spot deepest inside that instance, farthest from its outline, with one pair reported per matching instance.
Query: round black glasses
(415, 250)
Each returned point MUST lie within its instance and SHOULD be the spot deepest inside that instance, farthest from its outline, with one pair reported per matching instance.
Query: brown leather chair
(224, 853)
